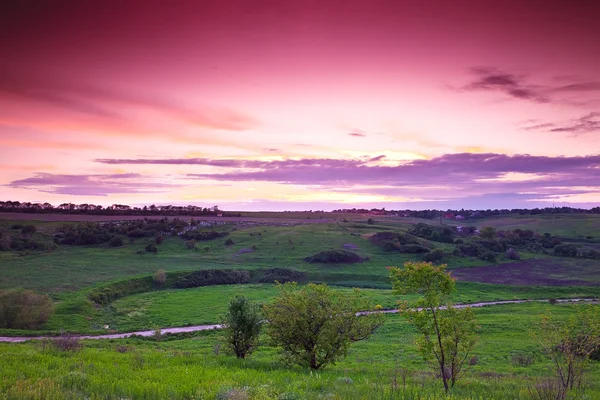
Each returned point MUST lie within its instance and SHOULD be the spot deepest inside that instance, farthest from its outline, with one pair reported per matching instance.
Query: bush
(513, 254)
(315, 325)
(67, 342)
(160, 277)
(206, 249)
(488, 256)
(281, 275)
(159, 239)
(28, 230)
(151, 248)
(412, 249)
(116, 241)
(242, 325)
(566, 250)
(435, 256)
(208, 277)
(190, 244)
(24, 309)
(229, 242)
(200, 235)
(334, 256)
(522, 359)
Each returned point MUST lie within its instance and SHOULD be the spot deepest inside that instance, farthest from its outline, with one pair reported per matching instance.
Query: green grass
(190, 368)
(170, 308)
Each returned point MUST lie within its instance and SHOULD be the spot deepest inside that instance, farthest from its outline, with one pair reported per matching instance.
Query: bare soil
(553, 271)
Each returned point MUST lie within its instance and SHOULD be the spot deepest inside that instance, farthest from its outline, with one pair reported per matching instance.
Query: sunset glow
(283, 105)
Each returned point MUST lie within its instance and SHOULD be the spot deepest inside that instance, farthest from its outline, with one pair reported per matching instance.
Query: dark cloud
(579, 126)
(586, 124)
(492, 79)
(517, 86)
(92, 185)
(463, 173)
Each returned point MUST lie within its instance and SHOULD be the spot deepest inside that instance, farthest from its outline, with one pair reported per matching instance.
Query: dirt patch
(535, 272)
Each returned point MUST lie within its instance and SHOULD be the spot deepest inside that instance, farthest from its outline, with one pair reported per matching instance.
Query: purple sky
(301, 105)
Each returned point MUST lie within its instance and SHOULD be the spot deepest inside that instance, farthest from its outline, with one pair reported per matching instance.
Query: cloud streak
(92, 185)
(491, 79)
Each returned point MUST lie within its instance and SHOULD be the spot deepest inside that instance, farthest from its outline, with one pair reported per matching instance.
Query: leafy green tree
(569, 346)
(316, 325)
(242, 325)
(488, 232)
(448, 334)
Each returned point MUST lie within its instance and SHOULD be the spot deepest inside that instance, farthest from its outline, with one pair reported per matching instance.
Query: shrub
(28, 230)
(522, 359)
(513, 254)
(488, 256)
(412, 249)
(229, 242)
(435, 256)
(334, 256)
(160, 277)
(159, 239)
(201, 235)
(116, 241)
(281, 275)
(242, 326)
(151, 248)
(206, 248)
(24, 309)
(315, 325)
(370, 221)
(190, 244)
(566, 250)
(208, 277)
(67, 342)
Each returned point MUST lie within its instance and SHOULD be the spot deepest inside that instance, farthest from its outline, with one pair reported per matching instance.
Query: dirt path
(196, 328)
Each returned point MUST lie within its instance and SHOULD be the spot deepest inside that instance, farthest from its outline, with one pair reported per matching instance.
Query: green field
(194, 367)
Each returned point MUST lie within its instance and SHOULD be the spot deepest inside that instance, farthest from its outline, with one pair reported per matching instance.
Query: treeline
(469, 214)
(115, 209)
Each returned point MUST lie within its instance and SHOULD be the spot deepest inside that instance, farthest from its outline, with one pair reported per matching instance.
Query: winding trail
(196, 328)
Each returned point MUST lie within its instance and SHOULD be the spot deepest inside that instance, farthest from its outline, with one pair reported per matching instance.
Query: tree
(488, 232)
(448, 333)
(242, 325)
(315, 325)
(569, 346)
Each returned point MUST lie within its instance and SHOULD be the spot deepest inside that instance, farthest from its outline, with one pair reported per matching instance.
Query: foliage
(488, 232)
(160, 277)
(281, 275)
(448, 333)
(203, 235)
(513, 254)
(569, 346)
(151, 248)
(315, 325)
(436, 256)
(116, 241)
(207, 277)
(435, 233)
(334, 256)
(24, 309)
(566, 250)
(229, 242)
(242, 325)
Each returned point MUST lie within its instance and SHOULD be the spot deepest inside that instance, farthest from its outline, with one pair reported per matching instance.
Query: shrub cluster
(334, 256)
(24, 309)
(434, 233)
(281, 275)
(208, 277)
(203, 235)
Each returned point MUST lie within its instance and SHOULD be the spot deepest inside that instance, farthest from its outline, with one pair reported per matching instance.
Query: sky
(298, 105)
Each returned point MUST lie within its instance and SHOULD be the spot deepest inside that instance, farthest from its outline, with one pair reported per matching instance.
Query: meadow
(507, 362)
